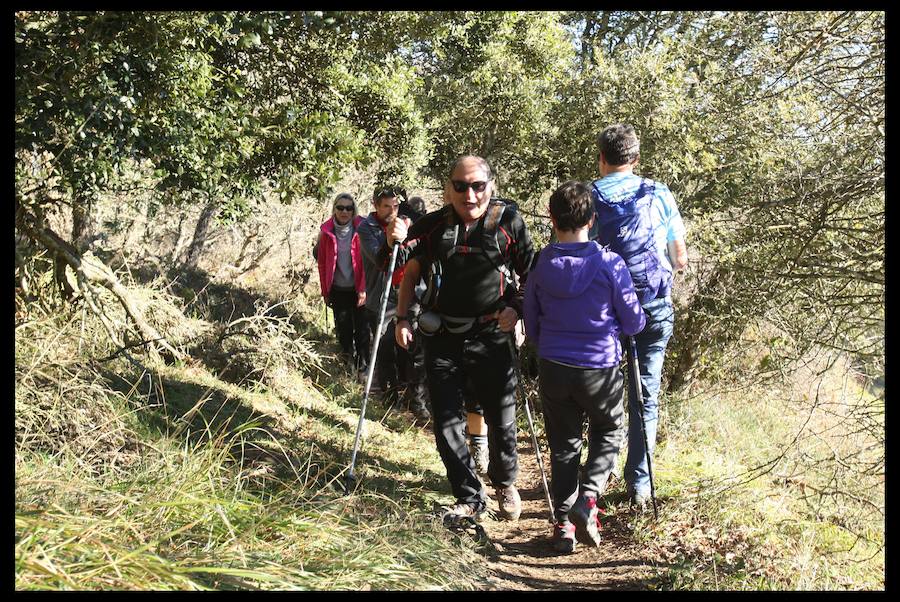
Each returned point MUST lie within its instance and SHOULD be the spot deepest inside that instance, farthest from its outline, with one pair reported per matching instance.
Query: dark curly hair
(387, 192)
(571, 206)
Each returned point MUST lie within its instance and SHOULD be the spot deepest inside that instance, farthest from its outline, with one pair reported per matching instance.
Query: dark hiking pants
(411, 367)
(351, 325)
(568, 394)
(396, 367)
(479, 362)
(386, 356)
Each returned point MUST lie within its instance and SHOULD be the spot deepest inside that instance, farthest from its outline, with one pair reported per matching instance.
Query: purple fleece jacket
(578, 298)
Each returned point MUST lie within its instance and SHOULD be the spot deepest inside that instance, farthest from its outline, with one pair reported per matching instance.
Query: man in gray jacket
(390, 356)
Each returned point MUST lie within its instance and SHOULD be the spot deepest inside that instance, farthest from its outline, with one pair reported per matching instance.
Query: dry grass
(773, 488)
(219, 473)
(160, 487)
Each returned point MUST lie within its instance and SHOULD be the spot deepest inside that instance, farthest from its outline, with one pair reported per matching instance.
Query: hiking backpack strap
(449, 245)
(445, 248)
(489, 236)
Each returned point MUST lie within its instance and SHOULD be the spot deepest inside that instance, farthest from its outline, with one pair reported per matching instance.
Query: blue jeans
(651, 346)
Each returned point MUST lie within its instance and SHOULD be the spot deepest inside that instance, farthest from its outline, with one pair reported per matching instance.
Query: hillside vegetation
(216, 472)
(223, 470)
(181, 419)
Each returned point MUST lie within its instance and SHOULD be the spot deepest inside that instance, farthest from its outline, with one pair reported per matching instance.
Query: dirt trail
(523, 559)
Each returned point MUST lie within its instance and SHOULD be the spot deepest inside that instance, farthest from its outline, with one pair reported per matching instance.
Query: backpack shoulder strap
(495, 211)
(648, 186)
(449, 236)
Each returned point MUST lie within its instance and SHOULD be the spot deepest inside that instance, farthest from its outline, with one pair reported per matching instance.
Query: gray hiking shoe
(586, 517)
(639, 501)
(480, 455)
(510, 502)
(563, 538)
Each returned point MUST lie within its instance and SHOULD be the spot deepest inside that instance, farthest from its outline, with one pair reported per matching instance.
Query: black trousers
(396, 367)
(411, 365)
(351, 326)
(568, 395)
(479, 363)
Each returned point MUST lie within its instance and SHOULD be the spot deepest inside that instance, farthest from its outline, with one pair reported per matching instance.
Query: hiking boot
(462, 510)
(586, 516)
(420, 411)
(639, 501)
(563, 538)
(390, 396)
(510, 502)
(479, 451)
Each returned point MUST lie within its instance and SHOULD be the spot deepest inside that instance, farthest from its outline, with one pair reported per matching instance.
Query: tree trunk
(200, 234)
(179, 241)
(290, 234)
(91, 270)
(83, 222)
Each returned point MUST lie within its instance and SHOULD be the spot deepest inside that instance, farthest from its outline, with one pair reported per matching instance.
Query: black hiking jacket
(471, 285)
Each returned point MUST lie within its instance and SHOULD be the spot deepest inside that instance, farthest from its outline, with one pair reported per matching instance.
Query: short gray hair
(481, 160)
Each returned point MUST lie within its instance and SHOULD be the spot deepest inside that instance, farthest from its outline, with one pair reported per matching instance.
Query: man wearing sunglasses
(390, 357)
(465, 326)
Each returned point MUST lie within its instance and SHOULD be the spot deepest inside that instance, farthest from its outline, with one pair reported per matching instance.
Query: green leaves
(767, 126)
(490, 90)
(250, 39)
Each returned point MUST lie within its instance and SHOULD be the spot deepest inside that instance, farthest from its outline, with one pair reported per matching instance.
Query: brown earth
(520, 556)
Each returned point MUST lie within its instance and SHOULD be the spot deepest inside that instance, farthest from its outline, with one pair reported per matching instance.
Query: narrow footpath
(521, 557)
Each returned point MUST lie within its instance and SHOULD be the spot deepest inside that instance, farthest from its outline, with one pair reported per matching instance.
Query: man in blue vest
(652, 262)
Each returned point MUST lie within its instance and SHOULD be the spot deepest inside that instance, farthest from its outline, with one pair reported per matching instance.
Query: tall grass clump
(188, 519)
(113, 492)
(772, 487)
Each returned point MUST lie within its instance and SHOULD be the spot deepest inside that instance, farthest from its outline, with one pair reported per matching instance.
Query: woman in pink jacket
(343, 280)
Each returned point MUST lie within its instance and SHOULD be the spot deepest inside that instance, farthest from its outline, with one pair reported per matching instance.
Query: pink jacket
(326, 255)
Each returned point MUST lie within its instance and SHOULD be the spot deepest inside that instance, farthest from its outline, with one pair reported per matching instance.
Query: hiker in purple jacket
(578, 298)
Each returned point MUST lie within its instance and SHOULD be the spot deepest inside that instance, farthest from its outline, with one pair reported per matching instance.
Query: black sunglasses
(460, 186)
(343, 207)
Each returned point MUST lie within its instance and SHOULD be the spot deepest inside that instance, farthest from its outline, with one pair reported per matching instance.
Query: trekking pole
(350, 478)
(534, 440)
(635, 377)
